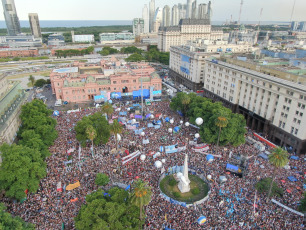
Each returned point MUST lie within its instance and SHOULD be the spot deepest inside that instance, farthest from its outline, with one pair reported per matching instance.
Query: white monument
(184, 184)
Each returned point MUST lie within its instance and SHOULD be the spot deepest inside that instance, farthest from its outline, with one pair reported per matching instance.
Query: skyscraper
(166, 16)
(202, 12)
(145, 16)
(151, 15)
(194, 10)
(209, 10)
(34, 23)
(189, 8)
(182, 10)
(175, 15)
(11, 18)
(158, 19)
(138, 26)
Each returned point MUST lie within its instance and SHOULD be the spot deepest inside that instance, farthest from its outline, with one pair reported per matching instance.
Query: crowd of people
(231, 205)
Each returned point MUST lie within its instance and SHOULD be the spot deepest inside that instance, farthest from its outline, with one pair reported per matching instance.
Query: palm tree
(141, 195)
(278, 158)
(108, 109)
(116, 129)
(221, 122)
(91, 134)
(185, 102)
(32, 80)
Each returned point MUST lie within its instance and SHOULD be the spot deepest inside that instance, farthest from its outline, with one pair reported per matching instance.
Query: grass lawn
(195, 182)
(21, 75)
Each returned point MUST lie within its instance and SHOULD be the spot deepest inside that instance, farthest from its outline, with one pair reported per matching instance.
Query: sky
(273, 10)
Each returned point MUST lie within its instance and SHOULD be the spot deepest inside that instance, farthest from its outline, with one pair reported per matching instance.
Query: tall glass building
(11, 18)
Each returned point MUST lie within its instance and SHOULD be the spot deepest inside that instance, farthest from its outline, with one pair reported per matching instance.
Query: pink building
(81, 83)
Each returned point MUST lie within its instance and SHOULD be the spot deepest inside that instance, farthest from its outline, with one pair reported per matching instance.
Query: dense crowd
(230, 205)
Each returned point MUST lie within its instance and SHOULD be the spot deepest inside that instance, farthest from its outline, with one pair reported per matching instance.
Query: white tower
(151, 15)
(158, 19)
(194, 10)
(202, 13)
(145, 16)
(175, 15)
(11, 18)
(189, 9)
(184, 184)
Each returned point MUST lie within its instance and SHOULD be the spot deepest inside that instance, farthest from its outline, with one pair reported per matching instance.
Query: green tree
(32, 80)
(7, 221)
(302, 206)
(91, 135)
(278, 158)
(135, 58)
(221, 122)
(141, 195)
(264, 185)
(116, 128)
(21, 169)
(99, 123)
(40, 82)
(36, 116)
(32, 140)
(181, 103)
(102, 179)
(108, 109)
(108, 210)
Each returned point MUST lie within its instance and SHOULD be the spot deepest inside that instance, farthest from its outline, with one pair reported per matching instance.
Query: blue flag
(128, 187)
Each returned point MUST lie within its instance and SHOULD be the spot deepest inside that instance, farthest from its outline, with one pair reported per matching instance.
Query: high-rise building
(209, 10)
(11, 18)
(151, 15)
(158, 19)
(302, 26)
(175, 15)
(202, 12)
(145, 16)
(182, 10)
(189, 8)
(166, 16)
(34, 23)
(138, 26)
(194, 10)
(294, 26)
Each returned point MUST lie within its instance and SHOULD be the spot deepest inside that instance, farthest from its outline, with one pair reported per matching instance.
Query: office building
(182, 10)
(12, 97)
(158, 19)
(151, 15)
(187, 62)
(83, 38)
(175, 16)
(138, 26)
(56, 40)
(202, 11)
(194, 9)
(243, 35)
(145, 16)
(302, 26)
(11, 18)
(166, 16)
(189, 8)
(34, 24)
(20, 41)
(82, 83)
(271, 105)
(294, 26)
(112, 38)
(209, 10)
(187, 30)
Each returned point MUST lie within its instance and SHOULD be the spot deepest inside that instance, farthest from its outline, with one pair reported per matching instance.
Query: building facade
(11, 18)
(187, 30)
(175, 17)
(187, 63)
(12, 97)
(166, 16)
(138, 26)
(6, 53)
(20, 41)
(83, 83)
(56, 40)
(146, 19)
(151, 15)
(35, 26)
(272, 106)
(84, 38)
(116, 37)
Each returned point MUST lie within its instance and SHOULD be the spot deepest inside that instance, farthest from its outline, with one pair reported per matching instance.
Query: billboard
(185, 64)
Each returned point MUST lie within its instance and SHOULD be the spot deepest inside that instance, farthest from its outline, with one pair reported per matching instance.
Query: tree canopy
(202, 107)
(100, 125)
(135, 58)
(102, 179)
(21, 170)
(108, 50)
(8, 222)
(108, 210)
(40, 82)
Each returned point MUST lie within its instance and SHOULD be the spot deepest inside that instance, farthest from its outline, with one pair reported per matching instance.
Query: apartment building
(271, 105)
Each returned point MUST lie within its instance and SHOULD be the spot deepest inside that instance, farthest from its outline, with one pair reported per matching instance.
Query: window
(301, 114)
(296, 131)
(134, 80)
(114, 82)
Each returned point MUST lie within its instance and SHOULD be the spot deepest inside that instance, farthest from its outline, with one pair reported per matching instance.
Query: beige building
(35, 26)
(12, 97)
(271, 105)
(187, 63)
(187, 30)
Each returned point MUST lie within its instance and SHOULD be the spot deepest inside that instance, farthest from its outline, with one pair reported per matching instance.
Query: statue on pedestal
(184, 184)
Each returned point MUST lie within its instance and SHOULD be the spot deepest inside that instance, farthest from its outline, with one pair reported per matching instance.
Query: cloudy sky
(274, 10)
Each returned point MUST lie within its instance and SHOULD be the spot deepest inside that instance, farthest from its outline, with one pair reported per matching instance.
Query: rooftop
(194, 22)
(67, 70)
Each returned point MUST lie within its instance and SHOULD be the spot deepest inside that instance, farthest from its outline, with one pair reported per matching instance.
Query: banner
(122, 113)
(59, 187)
(67, 162)
(73, 186)
(170, 149)
(157, 126)
(290, 209)
(200, 146)
(74, 200)
(130, 155)
(150, 125)
(71, 150)
(131, 127)
(146, 141)
(201, 150)
(180, 149)
(131, 158)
